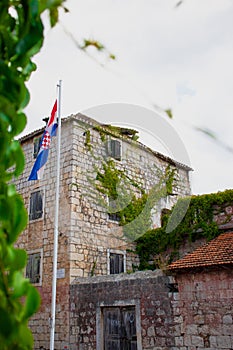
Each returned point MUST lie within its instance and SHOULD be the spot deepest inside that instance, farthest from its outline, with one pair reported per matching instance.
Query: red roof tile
(217, 252)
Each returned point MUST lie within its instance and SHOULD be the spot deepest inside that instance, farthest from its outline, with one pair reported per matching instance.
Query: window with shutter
(36, 205)
(33, 269)
(116, 263)
(114, 149)
(36, 143)
(113, 216)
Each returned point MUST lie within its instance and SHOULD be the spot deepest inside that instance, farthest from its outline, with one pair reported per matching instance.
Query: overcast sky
(179, 58)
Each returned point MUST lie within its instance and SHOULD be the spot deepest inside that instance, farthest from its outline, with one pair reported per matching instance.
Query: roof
(217, 252)
(125, 133)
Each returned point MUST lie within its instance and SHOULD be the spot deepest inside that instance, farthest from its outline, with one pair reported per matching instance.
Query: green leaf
(19, 218)
(19, 285)
(25, 337)
(53, 16)
(32, 302)
(6, 323)
(32, 42)
(20, 122)
(17, 158)
(169, 113)
(20, 259)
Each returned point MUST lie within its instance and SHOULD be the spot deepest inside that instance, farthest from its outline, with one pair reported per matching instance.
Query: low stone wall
(206, 310)
(148, 291)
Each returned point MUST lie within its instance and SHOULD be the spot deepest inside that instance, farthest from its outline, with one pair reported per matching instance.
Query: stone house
(99, 165)
(205, 304)
(187, 307)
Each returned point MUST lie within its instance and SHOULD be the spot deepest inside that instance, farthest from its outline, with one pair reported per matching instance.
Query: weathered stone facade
(148, 292)
(205, 307)
(86, 235)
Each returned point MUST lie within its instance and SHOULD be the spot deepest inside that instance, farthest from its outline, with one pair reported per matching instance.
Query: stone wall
(148, 291)
(39, 236)
(92, 233)
(205, 308)
(85, 232)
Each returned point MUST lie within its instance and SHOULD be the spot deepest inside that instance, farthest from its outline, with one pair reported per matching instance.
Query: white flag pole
(55, 248)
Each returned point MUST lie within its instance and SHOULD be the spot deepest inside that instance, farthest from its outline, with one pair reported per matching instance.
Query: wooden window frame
(114, 151)
(37, 214)
(114, 217)
(117, 252)
(30, 254)
(36, 146)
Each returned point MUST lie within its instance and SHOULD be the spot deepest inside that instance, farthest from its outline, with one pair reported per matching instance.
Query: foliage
(197, 223)
(116, 131)
(88, 140)
(21, 37)
(97, 45)
(128, 199)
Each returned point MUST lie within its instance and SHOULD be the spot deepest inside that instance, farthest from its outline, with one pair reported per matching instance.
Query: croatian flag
(42, 157)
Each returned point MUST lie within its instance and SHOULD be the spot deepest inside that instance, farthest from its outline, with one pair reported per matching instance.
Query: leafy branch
(21, 37)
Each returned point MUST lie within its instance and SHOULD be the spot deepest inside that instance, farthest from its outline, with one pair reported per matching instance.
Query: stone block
(197, 341)
(224, 342)
(227, 319)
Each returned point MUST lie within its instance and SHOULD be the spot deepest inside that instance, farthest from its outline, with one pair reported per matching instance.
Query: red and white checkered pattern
(46, 141)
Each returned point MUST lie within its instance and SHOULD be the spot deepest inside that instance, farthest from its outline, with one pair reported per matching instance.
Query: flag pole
(55, 248)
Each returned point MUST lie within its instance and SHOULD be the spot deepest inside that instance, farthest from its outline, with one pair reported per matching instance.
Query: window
(36, 143)
(116, 261)
(113, 215)
(36, 205)
(33, 269)
(114, 149)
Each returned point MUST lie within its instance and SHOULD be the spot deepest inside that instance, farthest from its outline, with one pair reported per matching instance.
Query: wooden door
(120, 328)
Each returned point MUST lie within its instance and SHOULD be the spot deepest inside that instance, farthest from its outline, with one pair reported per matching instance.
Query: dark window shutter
(116, 263)
(33, 268)
(36, 142)
(36, 205)
(114, 216)
(114, 149)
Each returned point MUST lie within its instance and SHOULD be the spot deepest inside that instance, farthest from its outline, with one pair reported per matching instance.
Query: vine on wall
(128, 199)
(197, 223)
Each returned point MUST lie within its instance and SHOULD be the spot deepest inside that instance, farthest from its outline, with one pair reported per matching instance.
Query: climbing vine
(128, 199)
(197, 223)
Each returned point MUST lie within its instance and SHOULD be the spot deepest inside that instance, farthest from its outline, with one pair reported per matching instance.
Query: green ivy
(21, 37)
(116, 131)
(197, 223)
(171, 177)
(88, 140)
(128, 199)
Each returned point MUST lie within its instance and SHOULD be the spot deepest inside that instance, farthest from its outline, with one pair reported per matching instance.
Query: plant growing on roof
(197, 223)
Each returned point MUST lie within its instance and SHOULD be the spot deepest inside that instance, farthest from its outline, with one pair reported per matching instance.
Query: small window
(36, 143)
(114, 149)
(36, 205)
(116, 263)
(113, 215)
(33, 269)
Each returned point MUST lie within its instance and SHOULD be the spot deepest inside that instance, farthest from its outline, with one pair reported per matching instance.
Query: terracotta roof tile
(217, 252)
